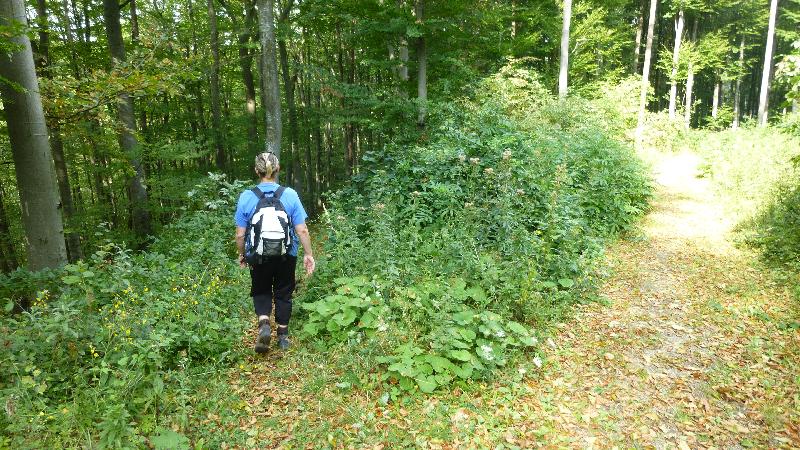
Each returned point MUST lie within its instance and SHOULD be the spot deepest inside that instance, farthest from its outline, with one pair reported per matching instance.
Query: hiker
(269, 221)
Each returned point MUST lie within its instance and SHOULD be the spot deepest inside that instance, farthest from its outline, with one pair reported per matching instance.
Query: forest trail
(697, 349)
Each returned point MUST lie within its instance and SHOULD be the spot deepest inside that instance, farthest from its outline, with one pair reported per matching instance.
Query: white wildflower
(537, 362)
(507, 155)
(474, 160)
(500, 334)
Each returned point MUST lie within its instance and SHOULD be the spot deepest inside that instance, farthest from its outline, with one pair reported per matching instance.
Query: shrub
(112, 353)
(458, 249)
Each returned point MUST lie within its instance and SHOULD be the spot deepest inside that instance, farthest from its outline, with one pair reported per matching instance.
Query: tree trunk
(638, 41)
(216, 120)
(289, 84)
(646, 72)
(140, 216)
(269, 76)
(687, 113)
(715, 99)
(422, 68)
(763, 99)
(673, 90)
(564, 61)
(246, 65)
(738, 89)
(134, 22)
(8, 256)
(33, 163)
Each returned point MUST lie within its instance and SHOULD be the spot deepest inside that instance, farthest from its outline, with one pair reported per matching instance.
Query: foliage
(114, 352)
(789, 72)
(496, 221)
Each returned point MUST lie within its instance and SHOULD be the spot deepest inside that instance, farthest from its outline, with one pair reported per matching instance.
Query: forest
(526, 216)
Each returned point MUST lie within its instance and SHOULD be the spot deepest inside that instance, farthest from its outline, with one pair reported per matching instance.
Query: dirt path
(697, 348)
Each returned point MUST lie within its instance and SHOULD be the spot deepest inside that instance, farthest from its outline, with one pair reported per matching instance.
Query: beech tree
(140, 216)
(564, 60)
(763, 98)
(269, 76)
(648, 51)
(33, 162)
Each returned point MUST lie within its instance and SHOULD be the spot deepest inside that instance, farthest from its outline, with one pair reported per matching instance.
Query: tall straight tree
(687, 113)
(763, 99)
(648, 53)
(422, 67)
(676, 50)
(73, 240)
(216, 114)
(269, 76)
(140, 216)
(738, 87)
(33, 163)
(637, 46)
(564, 61)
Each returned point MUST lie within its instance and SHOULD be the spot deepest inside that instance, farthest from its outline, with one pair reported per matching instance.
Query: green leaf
(548, 285)
(467, 333)
(461, 355)
(439, 363)
(169, 439)
(9, 305)
(566, 282)
(426, 384)
(463, 371)
(71, 279)
(346, 317)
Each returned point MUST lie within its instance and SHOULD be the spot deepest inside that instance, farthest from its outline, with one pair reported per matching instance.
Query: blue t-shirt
(290, 201)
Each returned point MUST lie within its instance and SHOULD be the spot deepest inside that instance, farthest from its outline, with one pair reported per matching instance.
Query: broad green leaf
(426, 384)
(566, 282)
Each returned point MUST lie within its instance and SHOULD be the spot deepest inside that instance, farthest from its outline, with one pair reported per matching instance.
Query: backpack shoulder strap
(279, 192)
(258, 192)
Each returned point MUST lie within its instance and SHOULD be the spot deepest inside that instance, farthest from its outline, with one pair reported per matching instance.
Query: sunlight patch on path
(660, 367)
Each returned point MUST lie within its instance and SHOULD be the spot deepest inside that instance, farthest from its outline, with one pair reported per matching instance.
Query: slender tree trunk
(673, 90)
(763, 99)
(269, 76)
(134, 22)
(687, 113)
(648, 51)
(422, 68)
(33, 163)
(715, 99)
(289, 84)
(738, 89)
(564, 61)
(246, 64)
(140, 216)
(216, 119)
(638, 41)
(73, 240)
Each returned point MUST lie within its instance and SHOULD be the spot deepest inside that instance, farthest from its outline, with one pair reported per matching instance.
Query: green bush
(458, 249)
(113, 354)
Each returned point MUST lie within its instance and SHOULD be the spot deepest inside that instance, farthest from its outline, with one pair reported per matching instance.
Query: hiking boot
(264, 336)
(283, 342)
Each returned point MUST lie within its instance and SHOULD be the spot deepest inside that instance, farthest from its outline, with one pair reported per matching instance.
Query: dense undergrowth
(442, 262)
(755, 171)
(122, 346)
(448, 256)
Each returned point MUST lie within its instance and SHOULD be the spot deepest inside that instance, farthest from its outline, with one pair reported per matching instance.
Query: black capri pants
(274, 278)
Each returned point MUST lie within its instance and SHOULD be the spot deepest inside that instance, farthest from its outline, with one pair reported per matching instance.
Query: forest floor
(697, 346)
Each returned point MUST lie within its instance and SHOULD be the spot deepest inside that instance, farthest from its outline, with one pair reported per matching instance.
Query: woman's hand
(242, 262)
(309, 264)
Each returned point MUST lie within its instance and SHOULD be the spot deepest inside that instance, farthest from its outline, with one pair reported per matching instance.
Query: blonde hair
(266, 164)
